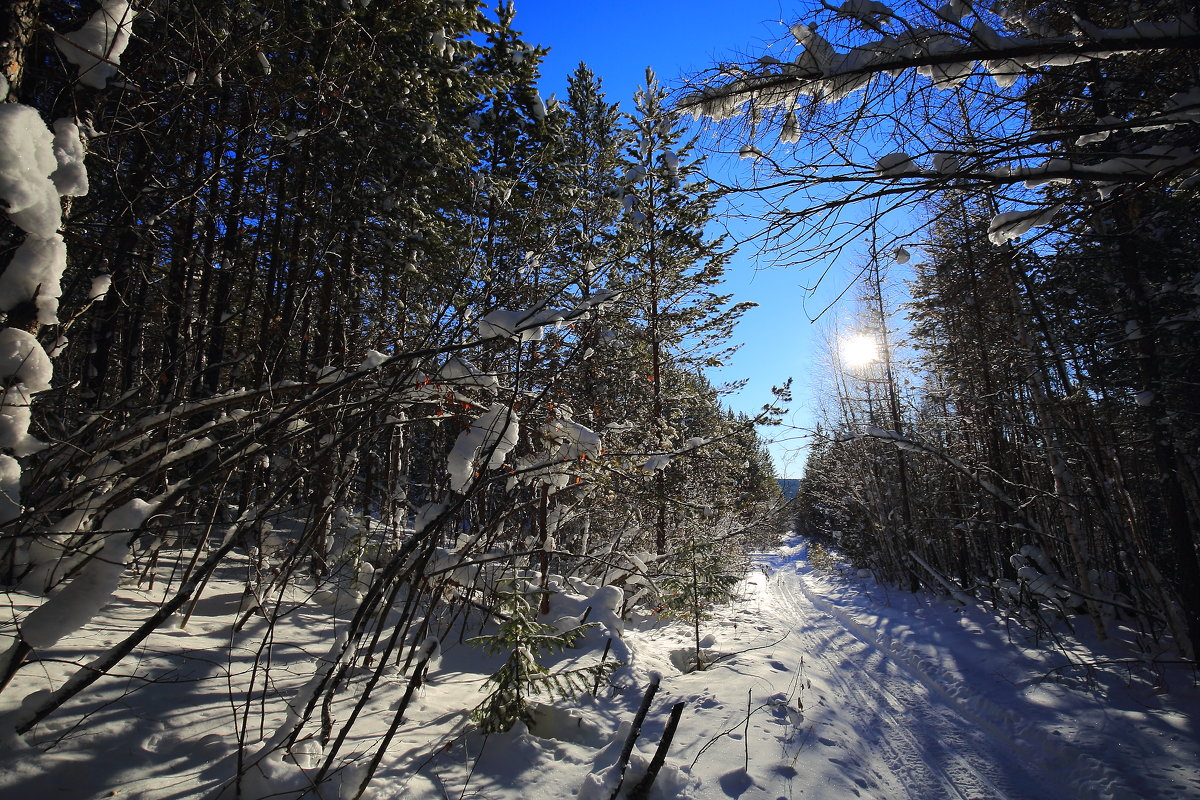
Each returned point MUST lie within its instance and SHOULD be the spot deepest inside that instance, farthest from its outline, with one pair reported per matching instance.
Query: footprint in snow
(785, 771)
(735, 783)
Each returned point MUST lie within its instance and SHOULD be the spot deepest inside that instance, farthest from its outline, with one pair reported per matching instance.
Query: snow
(521, 326)
(790, 132)
(461, 371)
(36, 270)
(26, 163)
(128, 517)
(29, 156)
(537, 106)
(96, 48)
(100, 286)
(70, 178)
(657, 462)
(572, 440)
(1014, 224)
(824, 685)
(895, 165)
(945, 163)
(22, 358)
(750, 151)
(10, 488)
(494, 434)
(870, 13)
(88, 592)
(372, 360)
(14, 421)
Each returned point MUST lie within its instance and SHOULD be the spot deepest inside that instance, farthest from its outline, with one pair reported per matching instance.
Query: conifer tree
(670, 276)
(522, 676)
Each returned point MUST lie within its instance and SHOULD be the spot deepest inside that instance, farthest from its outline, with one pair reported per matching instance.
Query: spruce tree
(522, 676)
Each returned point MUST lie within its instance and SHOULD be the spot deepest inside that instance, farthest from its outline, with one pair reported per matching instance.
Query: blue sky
(618, 39)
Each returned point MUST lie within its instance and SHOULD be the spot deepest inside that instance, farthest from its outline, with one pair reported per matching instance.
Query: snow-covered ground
(824, 684)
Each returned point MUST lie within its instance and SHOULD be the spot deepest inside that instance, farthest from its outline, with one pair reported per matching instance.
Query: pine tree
(669, 277)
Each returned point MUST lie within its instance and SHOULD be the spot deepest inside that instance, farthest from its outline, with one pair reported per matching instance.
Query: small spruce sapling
(699, 580)
(527, 641)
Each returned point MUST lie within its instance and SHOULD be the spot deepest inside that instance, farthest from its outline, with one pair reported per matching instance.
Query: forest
(333, 352)
(1024, 423)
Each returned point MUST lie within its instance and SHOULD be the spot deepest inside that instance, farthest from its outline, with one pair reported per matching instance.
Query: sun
(859, 351)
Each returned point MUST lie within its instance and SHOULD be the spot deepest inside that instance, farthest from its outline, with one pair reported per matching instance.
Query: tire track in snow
(1009, 748)
(926, 767)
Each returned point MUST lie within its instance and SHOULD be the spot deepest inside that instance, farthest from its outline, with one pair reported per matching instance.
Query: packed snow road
(830, 690)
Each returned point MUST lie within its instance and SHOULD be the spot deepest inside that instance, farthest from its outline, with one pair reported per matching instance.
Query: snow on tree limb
(96, 47)
(953, 82)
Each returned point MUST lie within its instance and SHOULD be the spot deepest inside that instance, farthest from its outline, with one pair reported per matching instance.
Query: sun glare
(859, 351)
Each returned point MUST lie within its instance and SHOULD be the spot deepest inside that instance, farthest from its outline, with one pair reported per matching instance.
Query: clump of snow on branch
(26, 163)
(90, 590)
(493, 435)
(947, 54)
(463, 372)
(25, 370)
(572, 440)
(23, 359)
(10, 488)
(1040, 577)
(895, 165)
(100, 286)
(522, 326)
(871, 13)
(36, 166)
(373, 359)
(96, 48)
(1014, 224)
(35, 273)
(70, 178)
(656, 462)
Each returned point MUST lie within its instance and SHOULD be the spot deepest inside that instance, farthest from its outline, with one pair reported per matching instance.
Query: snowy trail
(932, 749)
(841, 708)
(822, 685)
